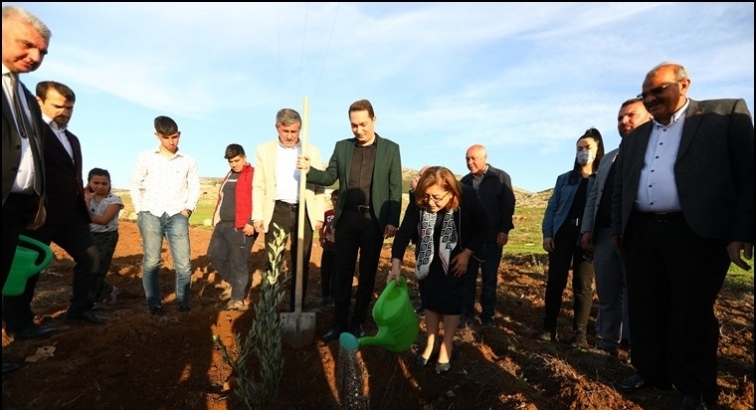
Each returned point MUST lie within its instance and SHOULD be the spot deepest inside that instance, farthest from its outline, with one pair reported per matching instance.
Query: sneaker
(611, 351)
(580, 340)
(226, 294)
(183, 307)
(546, 336)
(420, 310)
(157, 310)
(236, 305)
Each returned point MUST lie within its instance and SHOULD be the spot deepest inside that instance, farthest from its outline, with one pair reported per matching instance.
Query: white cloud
(523, 78)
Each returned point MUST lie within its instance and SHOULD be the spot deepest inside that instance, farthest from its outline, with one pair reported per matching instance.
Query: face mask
(585, 157)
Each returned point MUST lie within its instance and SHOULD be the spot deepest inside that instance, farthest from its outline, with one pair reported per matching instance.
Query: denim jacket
(560, 203)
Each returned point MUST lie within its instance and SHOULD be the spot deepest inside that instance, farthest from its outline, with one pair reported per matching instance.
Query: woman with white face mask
(561, 239)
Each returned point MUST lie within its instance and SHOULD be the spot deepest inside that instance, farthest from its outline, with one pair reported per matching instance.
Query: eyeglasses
(429, 198)
(655, 91)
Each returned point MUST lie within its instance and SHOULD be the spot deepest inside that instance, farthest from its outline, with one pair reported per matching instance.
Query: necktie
(26, 131)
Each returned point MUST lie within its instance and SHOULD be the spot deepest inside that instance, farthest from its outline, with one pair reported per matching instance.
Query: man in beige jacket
(275, 198)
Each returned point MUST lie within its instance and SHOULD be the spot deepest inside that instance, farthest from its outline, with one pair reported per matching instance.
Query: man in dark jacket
(494, 188)
(67, 219)
(682, 212)
(25, 42)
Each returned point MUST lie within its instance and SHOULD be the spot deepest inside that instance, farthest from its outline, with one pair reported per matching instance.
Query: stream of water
(349, 381)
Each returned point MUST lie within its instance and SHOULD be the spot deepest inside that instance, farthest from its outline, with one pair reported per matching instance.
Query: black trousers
(567, 253)
(326, 270)
(16, 214)
(286, 217)
(355, 232)
(673, 278)
(76, 239)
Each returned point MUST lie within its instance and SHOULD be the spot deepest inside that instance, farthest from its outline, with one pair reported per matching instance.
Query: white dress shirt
(60, 132)
(287, 174)
(657, 189)
(163, 184)
(24, 182)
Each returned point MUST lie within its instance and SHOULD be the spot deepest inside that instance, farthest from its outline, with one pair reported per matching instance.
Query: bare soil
(141, 362)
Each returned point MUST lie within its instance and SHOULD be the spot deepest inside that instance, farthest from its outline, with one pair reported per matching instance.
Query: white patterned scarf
(448, 241)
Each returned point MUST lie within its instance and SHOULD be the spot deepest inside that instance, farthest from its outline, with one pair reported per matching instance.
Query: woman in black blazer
(448, 223)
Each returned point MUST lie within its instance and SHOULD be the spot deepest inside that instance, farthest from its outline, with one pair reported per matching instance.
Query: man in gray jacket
(611, 321)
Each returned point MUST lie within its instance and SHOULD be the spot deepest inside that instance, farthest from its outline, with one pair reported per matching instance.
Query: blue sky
(525, 80)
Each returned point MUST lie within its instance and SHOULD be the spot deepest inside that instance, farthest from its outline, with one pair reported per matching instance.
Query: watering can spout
(382, 338)
(396, 320)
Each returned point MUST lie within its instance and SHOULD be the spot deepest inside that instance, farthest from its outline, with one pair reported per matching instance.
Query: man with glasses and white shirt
(682, 212)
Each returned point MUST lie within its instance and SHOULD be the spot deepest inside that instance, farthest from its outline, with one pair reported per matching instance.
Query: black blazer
(11, 143)
(471, 221)
(65, 193)
(713, 171)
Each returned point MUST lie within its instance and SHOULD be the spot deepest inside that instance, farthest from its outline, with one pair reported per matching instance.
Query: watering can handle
(400, 281)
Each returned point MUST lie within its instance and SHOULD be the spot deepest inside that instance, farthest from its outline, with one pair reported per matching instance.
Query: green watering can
(396, 319)
(31, 257)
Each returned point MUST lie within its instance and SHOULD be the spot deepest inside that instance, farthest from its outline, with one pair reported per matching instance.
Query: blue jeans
(488, 272)
(176, 230)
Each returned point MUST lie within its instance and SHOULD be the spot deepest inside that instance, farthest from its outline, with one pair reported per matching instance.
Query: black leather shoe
(332, 335)
(442, 368)
(157, 310)
(637, 382)
(10, 367)
(35, 332)
(423, 362)
(86, 317)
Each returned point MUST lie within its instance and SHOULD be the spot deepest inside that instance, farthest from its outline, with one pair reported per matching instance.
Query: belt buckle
(363, 208)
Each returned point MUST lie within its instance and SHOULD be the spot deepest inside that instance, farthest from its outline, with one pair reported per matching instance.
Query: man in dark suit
(494, 188)
(67, 219)
(369, 171)
(682, 211)
(595, 235)
(25, 42)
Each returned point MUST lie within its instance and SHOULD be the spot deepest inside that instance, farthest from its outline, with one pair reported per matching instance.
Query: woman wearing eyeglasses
(561, 239)
(448, 223)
